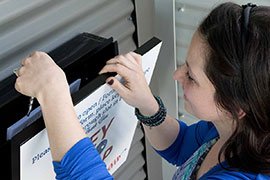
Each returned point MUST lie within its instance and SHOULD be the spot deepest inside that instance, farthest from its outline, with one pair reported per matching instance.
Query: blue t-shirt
(192, 137)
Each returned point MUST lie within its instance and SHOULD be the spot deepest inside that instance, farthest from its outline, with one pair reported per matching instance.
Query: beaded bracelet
(155, 119)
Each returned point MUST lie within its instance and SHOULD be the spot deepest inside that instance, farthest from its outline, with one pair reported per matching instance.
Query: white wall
(152, 17)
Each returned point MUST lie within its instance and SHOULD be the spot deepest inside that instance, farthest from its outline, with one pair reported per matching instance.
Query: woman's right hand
(135, 90)
(39, 76)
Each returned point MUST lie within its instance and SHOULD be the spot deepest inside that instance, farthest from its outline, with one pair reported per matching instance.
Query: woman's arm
(63, 127)
(162, 136)
(136, 92)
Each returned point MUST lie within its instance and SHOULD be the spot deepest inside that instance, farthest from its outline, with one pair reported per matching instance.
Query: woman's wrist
(54, 94)
(154, 119)
(151, 107)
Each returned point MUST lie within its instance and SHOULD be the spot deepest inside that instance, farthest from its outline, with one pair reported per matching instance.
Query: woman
(226, 84)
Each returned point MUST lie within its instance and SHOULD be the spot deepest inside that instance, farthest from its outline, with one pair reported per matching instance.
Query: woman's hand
(39, 75)
(135, 90)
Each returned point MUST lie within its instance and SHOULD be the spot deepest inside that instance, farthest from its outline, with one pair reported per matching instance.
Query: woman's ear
(241, 114)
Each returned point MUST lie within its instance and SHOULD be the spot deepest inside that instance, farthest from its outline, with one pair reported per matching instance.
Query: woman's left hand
(135, 90)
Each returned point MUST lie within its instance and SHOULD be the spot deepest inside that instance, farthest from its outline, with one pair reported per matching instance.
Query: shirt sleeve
(82, 161)
(189, 139)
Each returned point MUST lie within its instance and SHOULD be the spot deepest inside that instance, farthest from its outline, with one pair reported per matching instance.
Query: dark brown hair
(241, 77)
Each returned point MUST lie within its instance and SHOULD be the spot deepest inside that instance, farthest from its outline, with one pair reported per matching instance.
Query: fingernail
(110, 82)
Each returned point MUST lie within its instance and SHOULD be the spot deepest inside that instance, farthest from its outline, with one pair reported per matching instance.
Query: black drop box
(82, 58)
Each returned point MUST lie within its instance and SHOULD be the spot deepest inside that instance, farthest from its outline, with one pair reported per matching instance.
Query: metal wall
(188, 15)
(28, 25)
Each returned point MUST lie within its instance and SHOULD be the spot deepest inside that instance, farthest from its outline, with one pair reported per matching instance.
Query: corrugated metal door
(28, 25)
(188, 15)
